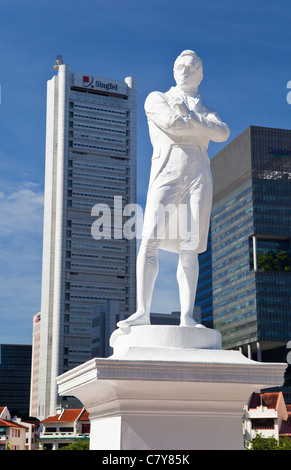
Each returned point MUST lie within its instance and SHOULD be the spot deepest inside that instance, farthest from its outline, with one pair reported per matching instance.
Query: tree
(284, 443)
(78, 445)
(262, 443)
(269, 443)
(270, 260)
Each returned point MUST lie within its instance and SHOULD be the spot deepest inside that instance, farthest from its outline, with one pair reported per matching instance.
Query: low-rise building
(12, 433)
(32, 431)
(66, 427)
(266, 414)
(16, 434)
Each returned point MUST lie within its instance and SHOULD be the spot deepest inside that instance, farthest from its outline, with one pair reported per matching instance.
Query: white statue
(180, 128)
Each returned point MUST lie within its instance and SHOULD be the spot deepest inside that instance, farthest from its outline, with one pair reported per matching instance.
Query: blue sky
(245, 48)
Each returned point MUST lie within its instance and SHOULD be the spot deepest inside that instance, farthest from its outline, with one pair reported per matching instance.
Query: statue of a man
(180, 128)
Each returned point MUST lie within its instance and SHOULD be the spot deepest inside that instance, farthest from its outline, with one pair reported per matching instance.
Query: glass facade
(15, 372)
(204, 289)
(234, 291)
(271, 176)
(248, 260)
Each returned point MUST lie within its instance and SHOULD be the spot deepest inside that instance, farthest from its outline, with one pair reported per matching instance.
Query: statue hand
(181, 109)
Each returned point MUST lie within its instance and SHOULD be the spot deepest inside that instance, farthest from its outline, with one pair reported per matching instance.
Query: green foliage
(263, 443)
(269, 443)
(284, 443)
(78, 445)
(274, 260)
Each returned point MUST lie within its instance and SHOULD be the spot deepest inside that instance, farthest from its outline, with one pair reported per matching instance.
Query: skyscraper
(245, 282)
(15, 375)
(90, 159)
(34, 365)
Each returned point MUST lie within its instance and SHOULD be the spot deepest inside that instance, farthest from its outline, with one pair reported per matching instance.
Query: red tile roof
(68, 416)
(270, 400)
(9, 423)
(85, 416)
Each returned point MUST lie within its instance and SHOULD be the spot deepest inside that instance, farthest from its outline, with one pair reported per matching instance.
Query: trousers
(147, 271)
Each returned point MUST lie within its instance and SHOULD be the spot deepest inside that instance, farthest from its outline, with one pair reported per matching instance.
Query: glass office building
(245, 275)
(15, 372)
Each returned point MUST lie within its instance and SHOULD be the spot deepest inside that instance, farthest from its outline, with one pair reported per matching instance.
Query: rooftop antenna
(59, 61)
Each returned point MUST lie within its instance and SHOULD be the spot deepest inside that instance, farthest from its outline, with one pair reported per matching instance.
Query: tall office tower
(90, 159)
(246, 272)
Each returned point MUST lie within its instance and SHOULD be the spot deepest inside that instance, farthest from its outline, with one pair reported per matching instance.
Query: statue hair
(187, 52)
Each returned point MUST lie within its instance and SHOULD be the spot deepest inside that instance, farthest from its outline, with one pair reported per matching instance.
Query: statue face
(188, 73)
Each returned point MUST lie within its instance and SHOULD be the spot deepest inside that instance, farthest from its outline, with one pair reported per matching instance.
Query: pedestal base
(165, 342)
(167, 396)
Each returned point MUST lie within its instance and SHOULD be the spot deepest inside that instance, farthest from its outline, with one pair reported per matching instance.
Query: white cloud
(21, 215)
(21, 211)
(20, 288)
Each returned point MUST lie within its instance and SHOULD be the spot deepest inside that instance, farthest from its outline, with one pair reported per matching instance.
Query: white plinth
(168, 388)
(165, 342)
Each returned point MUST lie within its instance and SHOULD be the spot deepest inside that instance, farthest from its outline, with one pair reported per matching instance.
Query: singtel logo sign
(90, 82)
(278, 152)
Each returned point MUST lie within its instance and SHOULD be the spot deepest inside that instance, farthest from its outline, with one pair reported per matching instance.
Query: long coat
(168, 129)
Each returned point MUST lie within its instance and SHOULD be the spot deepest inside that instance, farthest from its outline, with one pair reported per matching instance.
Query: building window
(66, 429)
(263, 423)
(62, 445)
(86, 428)
(271, 255)
(50, 429)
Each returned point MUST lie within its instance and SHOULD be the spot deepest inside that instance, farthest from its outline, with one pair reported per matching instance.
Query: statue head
(188, 71)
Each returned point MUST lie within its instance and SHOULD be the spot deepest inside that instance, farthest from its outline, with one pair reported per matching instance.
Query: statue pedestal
(167, 388)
